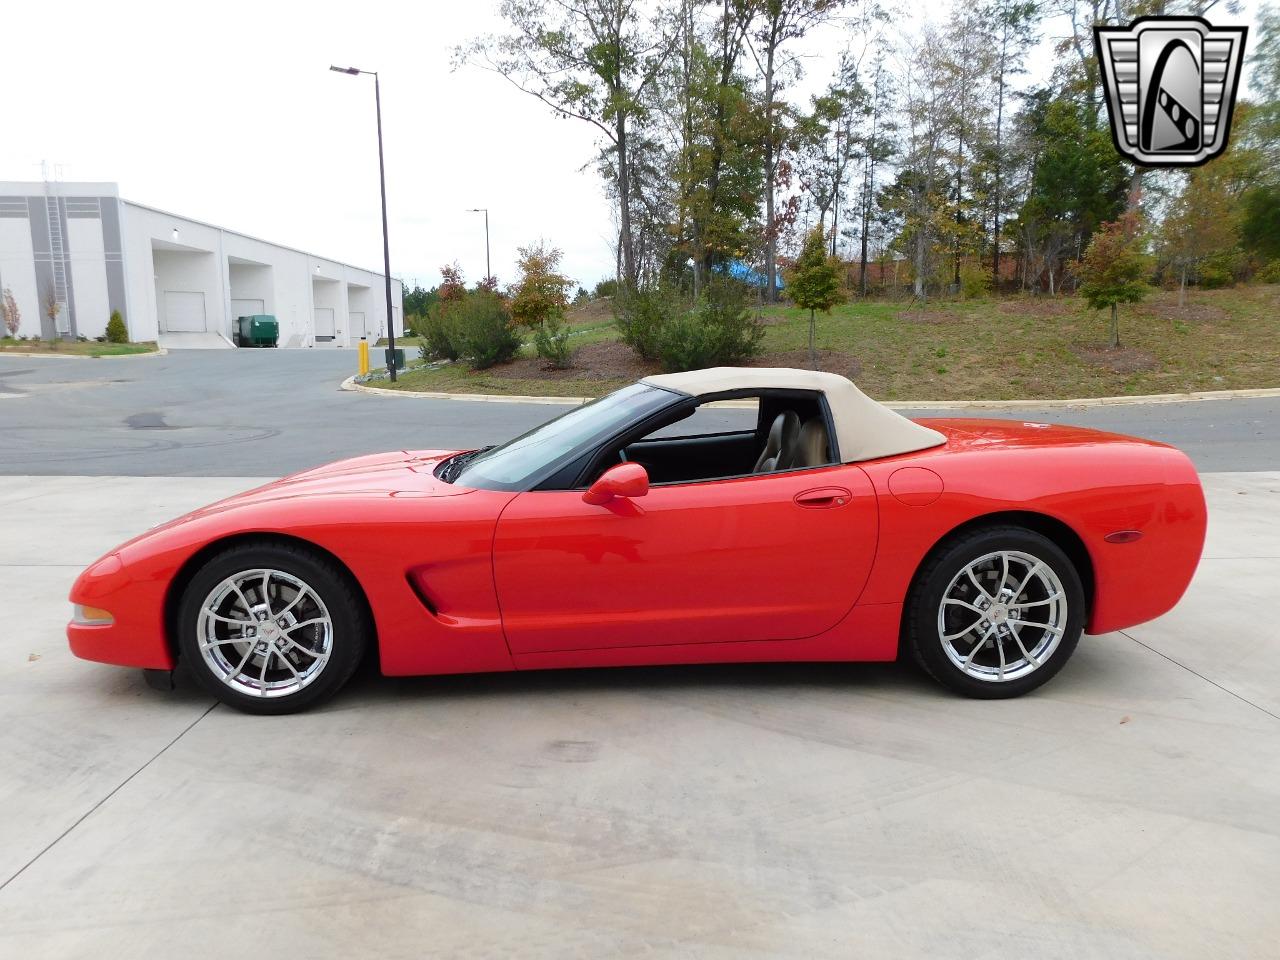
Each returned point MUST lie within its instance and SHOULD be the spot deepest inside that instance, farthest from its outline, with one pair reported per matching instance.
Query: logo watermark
(1171, 87)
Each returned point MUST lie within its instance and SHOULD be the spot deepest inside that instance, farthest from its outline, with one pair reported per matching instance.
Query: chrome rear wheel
(1002, 616)
(996, 611)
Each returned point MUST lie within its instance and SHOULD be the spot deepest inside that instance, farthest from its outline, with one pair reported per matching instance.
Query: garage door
(183, 311)
(324, 324)
(247, 308)
(357, 326)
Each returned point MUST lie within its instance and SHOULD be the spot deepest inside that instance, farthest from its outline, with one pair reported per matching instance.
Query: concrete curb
(1150, 398)
(51, 355)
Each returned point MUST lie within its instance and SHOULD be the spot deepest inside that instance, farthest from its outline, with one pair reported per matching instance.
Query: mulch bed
(831, 361)
(606, 360)
(1041, 306)
(1115, 360)
(1191, 312)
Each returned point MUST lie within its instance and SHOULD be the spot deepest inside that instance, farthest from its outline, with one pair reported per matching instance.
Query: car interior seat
(812, 448)
(780, 445)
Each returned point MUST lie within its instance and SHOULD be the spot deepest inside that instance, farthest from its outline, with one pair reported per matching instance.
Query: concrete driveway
(1127, 810)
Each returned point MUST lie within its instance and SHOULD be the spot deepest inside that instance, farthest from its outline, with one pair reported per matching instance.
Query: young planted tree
(1113, 270)
(9, 312)
(539, 299)
(117, 332)
(814, 284)
(52, 307)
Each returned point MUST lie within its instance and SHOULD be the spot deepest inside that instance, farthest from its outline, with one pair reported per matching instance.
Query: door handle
(822, 497)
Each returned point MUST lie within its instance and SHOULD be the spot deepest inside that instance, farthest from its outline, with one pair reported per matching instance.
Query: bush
(720, 331)
(117, 332)
(975, 280)
(551, 340)
(605, 288)
(641, 316)
(1270, 272)
(1218, 271)
(479, 328)
(437, 344)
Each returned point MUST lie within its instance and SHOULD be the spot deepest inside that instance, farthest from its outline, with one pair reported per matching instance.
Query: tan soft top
(865, 430)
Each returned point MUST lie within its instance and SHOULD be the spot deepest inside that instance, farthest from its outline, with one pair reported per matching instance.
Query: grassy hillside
(989, 349)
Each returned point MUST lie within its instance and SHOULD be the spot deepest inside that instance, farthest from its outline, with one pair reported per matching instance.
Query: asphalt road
(271, 412)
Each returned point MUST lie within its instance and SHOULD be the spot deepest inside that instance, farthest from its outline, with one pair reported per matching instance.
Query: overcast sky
(229, 113)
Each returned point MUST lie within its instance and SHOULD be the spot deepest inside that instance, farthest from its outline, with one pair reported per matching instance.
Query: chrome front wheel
(265, 632)
(272, 627)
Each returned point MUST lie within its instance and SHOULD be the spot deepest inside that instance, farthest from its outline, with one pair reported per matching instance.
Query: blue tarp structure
(742, 271)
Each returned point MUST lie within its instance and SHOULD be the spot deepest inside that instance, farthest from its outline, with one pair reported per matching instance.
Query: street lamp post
(386, 244)
(488, 271)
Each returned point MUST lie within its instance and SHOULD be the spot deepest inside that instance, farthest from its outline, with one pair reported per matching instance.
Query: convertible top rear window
(521, 463)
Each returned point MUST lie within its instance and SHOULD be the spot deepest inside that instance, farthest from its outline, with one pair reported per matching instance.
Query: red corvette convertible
(719, 515)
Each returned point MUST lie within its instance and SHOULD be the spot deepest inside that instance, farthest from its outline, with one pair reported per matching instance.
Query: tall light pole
(386, 244)
(488, 272)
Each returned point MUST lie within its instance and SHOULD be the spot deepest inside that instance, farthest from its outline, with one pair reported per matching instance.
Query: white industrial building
(83, 250)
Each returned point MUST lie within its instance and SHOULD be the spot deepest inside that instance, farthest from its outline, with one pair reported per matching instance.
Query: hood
(400, 473)
(403, 473)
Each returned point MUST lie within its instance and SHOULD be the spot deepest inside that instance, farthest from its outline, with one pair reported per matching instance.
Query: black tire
(943, 570)
(337, 595)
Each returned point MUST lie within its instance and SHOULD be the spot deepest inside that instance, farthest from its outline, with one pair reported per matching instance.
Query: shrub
(605, 288)
(975, 280)
(117, 332)
(551, 340)
(720, 331)
(1270, 272)
(641, 316)
(1219, 271)
(479, 328)
(434, 329)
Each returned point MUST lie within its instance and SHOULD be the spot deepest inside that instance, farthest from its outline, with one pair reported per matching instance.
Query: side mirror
(625, 480)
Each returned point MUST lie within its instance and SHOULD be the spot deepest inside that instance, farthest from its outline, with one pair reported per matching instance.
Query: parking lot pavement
(271, 412)
(1128, 809)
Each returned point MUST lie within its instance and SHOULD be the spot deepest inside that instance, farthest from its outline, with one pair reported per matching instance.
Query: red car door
(770, 557)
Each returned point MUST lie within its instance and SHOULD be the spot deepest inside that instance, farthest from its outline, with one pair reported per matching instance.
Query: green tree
(593, 60)
(117, 332)
(814, 284)
(1113, 270)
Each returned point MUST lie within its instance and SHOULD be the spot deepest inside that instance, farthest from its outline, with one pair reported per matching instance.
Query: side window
(714, 417)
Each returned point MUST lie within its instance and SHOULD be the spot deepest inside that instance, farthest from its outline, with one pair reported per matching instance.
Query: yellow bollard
(364, 356)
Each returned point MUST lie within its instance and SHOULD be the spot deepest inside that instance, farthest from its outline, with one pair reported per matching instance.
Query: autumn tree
(539, 299)
(9, 312)
(1113, 270)
(1202, 222)
(814, 284)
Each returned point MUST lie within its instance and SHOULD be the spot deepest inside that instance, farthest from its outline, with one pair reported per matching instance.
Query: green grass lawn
(986, 349)
(90, 348)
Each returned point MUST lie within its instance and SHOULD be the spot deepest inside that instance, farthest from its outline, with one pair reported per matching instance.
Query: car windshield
(518, 463)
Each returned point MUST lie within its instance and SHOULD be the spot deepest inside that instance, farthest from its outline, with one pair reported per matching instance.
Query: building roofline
(249, 236)
(92, 188)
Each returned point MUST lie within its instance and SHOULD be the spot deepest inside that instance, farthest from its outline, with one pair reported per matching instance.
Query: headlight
(90, 616)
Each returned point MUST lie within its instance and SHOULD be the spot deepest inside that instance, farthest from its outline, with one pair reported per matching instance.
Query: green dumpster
(257, 330)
